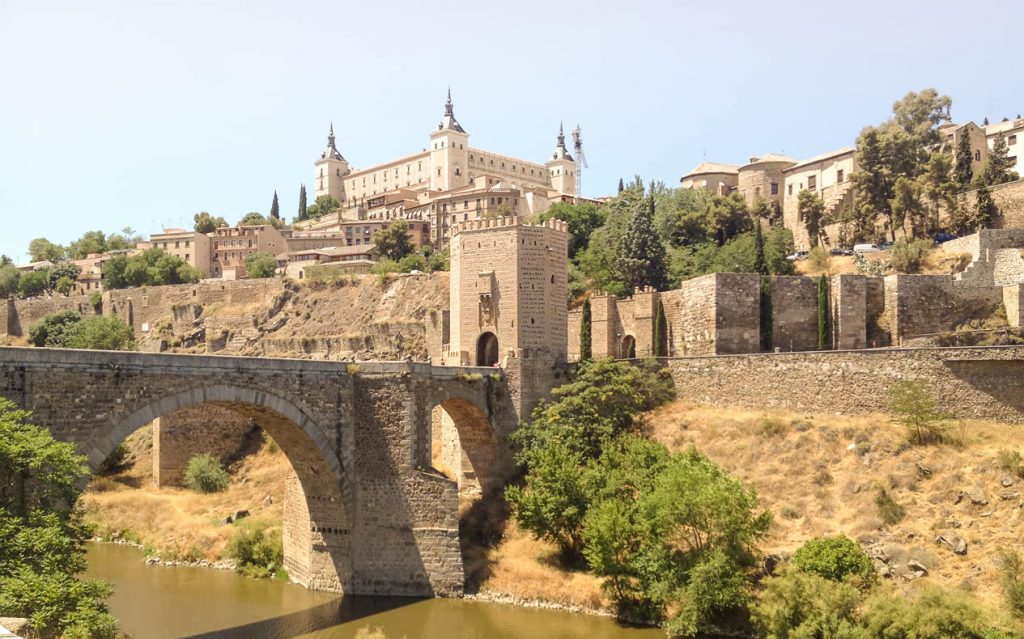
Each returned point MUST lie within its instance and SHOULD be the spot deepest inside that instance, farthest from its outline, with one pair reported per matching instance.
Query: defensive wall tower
(508, 302)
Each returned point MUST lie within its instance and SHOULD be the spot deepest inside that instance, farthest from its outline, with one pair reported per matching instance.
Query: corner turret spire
(448, 122)
(331, 152)
(561, 153)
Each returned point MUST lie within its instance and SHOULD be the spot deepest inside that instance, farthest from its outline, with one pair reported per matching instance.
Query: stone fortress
(447, 183)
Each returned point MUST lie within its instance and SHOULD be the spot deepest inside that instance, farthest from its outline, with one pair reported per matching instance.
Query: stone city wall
(794, 313)
(978, 382)
(926, 304)
(180, 435)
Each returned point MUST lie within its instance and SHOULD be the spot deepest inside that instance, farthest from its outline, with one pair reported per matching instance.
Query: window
(186, 243)
(177, 244)
(840, 176)
(812, 182)
(775, 188)
(186, 256)
(977, 156)
(338, 172)
(1011, 140)
(458, 171)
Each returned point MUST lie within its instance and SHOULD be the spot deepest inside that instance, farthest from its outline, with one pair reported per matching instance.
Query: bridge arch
(319, 498)
(466, 447)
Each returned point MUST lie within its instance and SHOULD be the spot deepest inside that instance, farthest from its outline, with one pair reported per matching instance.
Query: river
(159, 602)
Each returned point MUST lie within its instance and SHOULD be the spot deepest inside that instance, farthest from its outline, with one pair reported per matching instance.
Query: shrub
(206, 474)
(774, 426)
(1010, 461)
(96, 300)
(819, 259)
(269, 444)
(934, 614)
(835, 558)
(797, 604)
(890, 511)
(908, 255)
(115, 461)
(260, 264)
(1011, 577)
(914, 408)
(257, 549)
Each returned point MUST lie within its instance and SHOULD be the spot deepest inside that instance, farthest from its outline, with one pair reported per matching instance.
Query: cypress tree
(824, 315)
(661, 332)
(641, 255)
(275, 208)
(963, 172)
(622, 187)
(760, 263)
(303, 215)
(767, 327)
(985, 209)
(586, 350)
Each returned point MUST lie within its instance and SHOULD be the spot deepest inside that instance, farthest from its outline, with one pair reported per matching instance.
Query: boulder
(954, 542)
(917, 568)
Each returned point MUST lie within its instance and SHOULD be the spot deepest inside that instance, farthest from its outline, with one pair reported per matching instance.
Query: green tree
(766, 314)
(906, 206)
(873, 180)
(824, 315)
(67, 329)
(54, 330)
(908, 255)
(800, 605)
(760, 263)
(661, 332)
(392, 242)
(999, 167)
(641, 256)
(8, 281)
(914, 408)
(42, 536)
(91, 242)
(275, 208)
(42, 249)
(986, 212)
(811, 211)
(206, 223)
(964, 171)
(152, 267)
(324, 205)
(62, 270)
(726, 216)
(937, 185)
(205, 474)
(582, 219)
(837, 558)
(260, 264)
(255, 218)
(33, 283)
(586, 351)
(303, 214)
(671, 536)
(622, 187)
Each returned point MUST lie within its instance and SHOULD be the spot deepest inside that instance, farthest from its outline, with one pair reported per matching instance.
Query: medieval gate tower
(508, 302)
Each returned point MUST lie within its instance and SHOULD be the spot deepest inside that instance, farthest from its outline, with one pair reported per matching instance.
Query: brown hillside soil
(821, 475)
(177, 522)
(939, 261)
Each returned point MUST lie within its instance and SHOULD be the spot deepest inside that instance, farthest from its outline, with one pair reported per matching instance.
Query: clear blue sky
(141, 113)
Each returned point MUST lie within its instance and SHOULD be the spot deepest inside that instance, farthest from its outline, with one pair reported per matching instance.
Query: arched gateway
(367, 513)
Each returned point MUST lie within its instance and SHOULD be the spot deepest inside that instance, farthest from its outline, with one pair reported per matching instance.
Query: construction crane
(581, 160)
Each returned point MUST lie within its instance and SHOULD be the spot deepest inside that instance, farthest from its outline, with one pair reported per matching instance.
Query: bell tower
(331, 169)
(449, 152)
(561, 167)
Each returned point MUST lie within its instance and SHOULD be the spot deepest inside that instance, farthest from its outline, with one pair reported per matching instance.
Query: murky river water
(156, 602)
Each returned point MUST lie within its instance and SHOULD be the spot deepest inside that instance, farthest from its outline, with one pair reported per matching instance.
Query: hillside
(356, 317)
(822, 475)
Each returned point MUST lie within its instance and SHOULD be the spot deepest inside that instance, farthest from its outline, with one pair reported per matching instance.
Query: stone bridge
(366, 513)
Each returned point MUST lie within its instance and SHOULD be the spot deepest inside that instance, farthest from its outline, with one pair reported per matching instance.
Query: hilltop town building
(830, 177)
(720, 179)
(191, 246)
(231, 245)
(447, 183)
(1014, 132)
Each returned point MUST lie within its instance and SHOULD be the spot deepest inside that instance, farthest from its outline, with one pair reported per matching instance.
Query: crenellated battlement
(502, 221)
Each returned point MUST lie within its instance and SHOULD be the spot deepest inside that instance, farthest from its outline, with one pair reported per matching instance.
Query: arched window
(628, 348)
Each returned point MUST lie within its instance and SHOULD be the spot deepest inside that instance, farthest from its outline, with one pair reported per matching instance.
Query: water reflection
(160, 602)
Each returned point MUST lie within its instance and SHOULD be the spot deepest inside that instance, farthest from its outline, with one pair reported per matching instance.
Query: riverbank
(818, 474)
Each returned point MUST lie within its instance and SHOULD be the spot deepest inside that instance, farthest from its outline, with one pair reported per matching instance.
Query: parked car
(840, 251)
(866, 248)
(885, 246)
(799, 255)
(943, 237)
